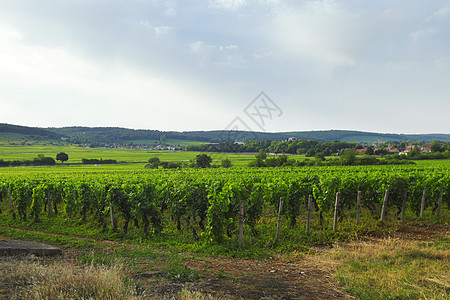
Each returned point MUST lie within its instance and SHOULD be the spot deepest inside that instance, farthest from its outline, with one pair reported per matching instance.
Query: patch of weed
(177, 271)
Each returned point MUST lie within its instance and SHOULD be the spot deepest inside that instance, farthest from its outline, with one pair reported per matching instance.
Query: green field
(167, 142)
(129, 157)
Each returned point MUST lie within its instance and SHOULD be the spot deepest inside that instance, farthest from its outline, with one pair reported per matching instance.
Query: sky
(266, 65)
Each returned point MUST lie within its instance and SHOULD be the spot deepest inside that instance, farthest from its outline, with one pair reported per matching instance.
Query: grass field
(130, 159)
(168, 142)
(130, 156)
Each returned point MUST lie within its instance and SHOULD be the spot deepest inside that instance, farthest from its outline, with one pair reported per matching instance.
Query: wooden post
(280, 210)
(11, 208)
(48, 203)
(383, 208)
(358, 207)
(441, 195)
(10, 199)
(422, 204)
(308, 222)
(241, 223)
(405, 198)
(113, 224)
(336, 207)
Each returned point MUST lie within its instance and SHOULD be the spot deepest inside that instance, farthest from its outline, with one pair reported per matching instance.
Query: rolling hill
(116, 135)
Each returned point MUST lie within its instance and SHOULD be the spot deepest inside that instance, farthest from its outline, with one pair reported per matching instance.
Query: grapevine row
(209, 199)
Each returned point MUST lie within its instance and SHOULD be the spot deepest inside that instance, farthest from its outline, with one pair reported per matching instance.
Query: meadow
(132, 159)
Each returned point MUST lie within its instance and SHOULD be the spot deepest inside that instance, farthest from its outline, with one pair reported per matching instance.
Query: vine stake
(241, 223)
(358, 207)
(440, 203)
(280, 210)
(383, 208)
(113, 224)
(422, 204)
(308, 224)
(48, 203)
(336, 207)
(405, 198)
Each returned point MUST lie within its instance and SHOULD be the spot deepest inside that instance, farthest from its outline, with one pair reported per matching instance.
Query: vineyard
(210, 204)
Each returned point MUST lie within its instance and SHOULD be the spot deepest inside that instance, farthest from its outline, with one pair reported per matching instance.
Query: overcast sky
(381, 66)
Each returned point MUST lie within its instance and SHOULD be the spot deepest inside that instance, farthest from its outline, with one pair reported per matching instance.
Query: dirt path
(275, 278)
(281, 277)
(250, 279)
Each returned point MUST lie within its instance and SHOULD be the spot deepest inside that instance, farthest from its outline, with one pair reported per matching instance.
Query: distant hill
(8, 130)
(117, 135)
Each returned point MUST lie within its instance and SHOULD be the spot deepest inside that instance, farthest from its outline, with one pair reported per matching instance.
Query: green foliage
(95, 161)
(177, 271)
(96, 258)
(348, 157)
(41, 160)
(62, 157)
(200, 207)
(320, 156)
(203, 161)
(154, 162)
(38, 196)
(226, 163)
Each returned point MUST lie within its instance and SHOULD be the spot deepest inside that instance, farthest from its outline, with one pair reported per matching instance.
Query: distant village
(395, 150)
(140, 147)
(376, 148)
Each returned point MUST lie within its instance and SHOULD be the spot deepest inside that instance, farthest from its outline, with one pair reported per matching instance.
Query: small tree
(203, 161)
(162, 139)
(262, 154)
(436, 147)
(348, 157)
(414, 152)
(226, 163)
(62, 157)
(320, 156)
(154, 162)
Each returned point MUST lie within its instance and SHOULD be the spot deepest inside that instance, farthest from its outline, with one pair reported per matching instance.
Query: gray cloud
(330, 64)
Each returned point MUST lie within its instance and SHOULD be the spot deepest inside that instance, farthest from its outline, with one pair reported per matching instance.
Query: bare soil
(280, 277)
(273, 278)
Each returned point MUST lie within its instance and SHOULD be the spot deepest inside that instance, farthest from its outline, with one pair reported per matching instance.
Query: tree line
(41, 160)
(307, 147)
(200, 161)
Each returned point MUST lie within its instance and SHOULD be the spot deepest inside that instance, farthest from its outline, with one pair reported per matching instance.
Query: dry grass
(392, 268)
(33, 279)
(190, 295)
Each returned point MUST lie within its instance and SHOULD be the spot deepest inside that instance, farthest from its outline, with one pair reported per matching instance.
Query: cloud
(231, 5)
(228, 55)
(270, 2)
(159, 31)
(154, 63)
(170, 9)
(8, 35)
(200, 47)
(323, 31)
(40, 81)
(422, 33)
(443, 62)
(441, 14)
